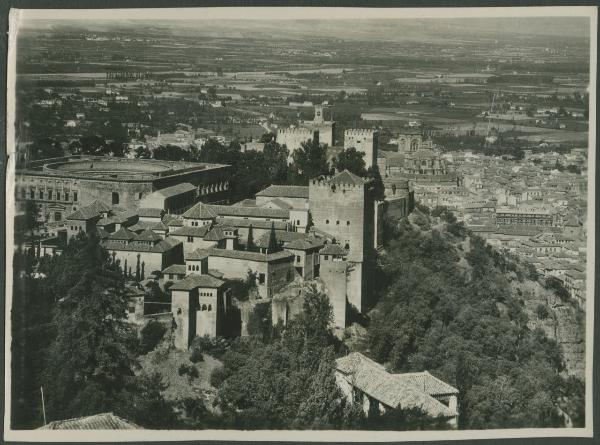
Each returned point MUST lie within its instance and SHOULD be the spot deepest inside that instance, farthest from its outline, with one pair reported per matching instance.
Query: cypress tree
(272, 239)
(250, 242)
(137, 268)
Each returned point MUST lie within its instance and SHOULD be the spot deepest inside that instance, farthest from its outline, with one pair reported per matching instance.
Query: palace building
(62, 185)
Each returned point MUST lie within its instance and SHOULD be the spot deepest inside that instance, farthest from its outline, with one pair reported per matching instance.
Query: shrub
(196, 356)
(151, 335)
(190, 370)
(215, 347)
(541, 311)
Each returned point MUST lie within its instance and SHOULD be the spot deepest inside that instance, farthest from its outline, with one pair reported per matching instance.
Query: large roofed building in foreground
(60, 186)
(365, 381)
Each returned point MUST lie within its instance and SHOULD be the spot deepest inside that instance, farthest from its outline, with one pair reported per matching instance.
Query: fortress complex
(326, 233)
(62, 185)
(318, 129)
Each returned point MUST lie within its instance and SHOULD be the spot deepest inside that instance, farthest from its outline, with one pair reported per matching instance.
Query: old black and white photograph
(300, 223)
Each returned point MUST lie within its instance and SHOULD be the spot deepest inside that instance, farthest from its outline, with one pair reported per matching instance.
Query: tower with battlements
(342, 206)
(365, 141)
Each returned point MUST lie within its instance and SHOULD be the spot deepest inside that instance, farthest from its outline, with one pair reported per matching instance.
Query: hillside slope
(469, 314)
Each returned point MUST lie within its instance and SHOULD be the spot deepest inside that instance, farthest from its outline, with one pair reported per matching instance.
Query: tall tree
(250, 241)
(309, 161)
(89, 362)
(352, 160)
(273, 244)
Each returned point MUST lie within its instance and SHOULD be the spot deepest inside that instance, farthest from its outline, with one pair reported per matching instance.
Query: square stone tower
(342, 206)
(364, 140)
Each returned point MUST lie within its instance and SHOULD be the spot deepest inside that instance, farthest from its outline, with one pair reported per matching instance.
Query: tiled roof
(194, 281)
(216, 234)
(285, 191)
(426, 383)
(200, 211)
(256, 212)
(372, 379)
(246, 203)
(332, 249)
(250, 256)
(256, 223)
(305, 244)
(99, 206)
(191, 231)
(175, 190)
(198, 254)
(84, 214)
(149, 212)
(347, 178)
(148, 235)
(160, 247)
(145, 225)
(177, 269)
(105, 421)
(122, 234)
(279, 204)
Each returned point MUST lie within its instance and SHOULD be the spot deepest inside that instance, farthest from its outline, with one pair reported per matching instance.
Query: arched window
(178, 311)
(210, 307)
(347, 246)
(203, 307)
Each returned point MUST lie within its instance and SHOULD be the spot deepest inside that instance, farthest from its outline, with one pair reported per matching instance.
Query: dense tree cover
(283, 377)
(460, 321)
(70, 336)
(352, 160)
(288, 381)
(309, 161)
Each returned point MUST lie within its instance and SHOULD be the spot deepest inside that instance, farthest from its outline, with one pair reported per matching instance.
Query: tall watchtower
(319, 118)
(364, 140)
(342, 206)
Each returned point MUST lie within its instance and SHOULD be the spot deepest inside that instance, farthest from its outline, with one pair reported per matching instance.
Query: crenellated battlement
(367, 132)
(295, 131)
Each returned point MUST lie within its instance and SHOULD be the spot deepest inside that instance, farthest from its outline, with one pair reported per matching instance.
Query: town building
(368, 384)
(60, 186)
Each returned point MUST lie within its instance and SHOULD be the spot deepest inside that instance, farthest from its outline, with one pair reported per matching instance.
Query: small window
(66, 196)
(189, 267)
(131, 309)
(210, 307)
(32, 194)
(49, 194)
(58, 196)
(297, 222)
(337, 223)
(326, 257)
(261, 278)
(298, 258)
(326, 221)
(347, 223)
(203, 307)
(347, 246)
(115, 198)
(41, 194)
(140, 195)
(75, 196)
(190, 239)
(23, 193)
(178, 311)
